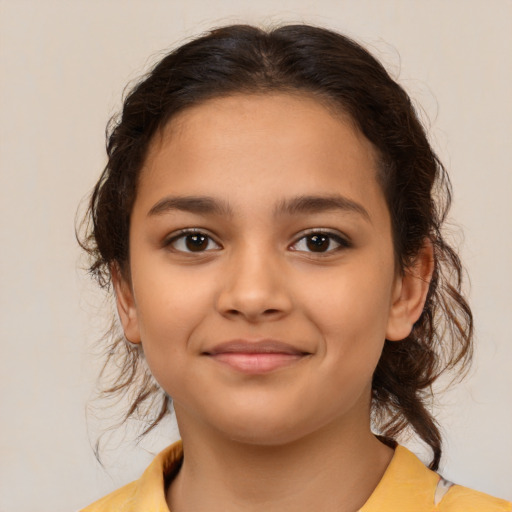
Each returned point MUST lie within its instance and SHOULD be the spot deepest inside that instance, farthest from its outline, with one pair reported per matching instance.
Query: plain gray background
(64, 65)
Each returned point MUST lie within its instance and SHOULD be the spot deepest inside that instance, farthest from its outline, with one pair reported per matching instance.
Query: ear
(410, 293)
(125, 305)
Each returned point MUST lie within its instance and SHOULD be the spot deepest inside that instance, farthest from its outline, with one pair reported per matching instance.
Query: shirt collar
(406, 485)
(150, 492)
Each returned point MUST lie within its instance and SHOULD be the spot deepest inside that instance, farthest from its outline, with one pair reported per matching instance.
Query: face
(262, 276)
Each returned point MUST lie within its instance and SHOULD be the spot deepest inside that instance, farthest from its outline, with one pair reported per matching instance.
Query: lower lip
(256, 363)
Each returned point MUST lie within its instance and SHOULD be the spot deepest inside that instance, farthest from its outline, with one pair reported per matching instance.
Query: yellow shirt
(407, 486)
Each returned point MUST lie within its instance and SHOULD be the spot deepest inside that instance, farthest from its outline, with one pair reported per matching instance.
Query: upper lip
(268, 346)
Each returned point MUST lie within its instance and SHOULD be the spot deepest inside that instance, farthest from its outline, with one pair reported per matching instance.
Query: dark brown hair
(338, 71)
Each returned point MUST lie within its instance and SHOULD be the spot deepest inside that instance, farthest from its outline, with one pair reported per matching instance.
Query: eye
(321, 242)
(190, 240)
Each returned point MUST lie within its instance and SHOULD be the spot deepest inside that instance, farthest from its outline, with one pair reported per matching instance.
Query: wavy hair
(341, 73)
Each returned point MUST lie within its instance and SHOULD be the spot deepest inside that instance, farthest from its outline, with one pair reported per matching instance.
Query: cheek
(352, 323)
(351, 308)
(169, 299)
(170, 308)
(357, 298)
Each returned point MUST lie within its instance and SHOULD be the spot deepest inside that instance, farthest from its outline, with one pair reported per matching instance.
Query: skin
(296, 438)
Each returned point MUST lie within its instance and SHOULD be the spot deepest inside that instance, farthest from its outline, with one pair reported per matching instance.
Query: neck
(333, 469)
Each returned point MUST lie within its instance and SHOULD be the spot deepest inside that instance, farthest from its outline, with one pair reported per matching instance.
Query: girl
(270, 220)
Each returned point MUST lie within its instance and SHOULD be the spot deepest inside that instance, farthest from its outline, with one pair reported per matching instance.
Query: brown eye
(321, 242)
(196, 242)
(318, 243)
(191, 241)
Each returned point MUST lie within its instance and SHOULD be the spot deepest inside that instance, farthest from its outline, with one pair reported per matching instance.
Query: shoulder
(408, 485)
(147, 494)
(462, 499)
(120, 500)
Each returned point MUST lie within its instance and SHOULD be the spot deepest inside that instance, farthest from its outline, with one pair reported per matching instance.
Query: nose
(254, 287)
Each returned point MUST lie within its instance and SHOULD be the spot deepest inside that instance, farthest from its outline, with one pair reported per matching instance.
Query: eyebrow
(205, 205)
(317, 204)
(194, 204)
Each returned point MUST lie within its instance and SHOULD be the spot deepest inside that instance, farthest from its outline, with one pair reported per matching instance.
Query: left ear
(410, 293)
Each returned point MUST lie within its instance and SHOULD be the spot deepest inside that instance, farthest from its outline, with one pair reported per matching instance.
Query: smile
(256, 357)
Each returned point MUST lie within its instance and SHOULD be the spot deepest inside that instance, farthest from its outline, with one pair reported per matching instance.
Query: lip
(256, 357)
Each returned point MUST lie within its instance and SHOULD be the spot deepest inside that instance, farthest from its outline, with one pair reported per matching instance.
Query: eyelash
(182, 235)
(343, 243)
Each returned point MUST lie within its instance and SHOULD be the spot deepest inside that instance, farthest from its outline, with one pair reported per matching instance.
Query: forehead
(287, 143)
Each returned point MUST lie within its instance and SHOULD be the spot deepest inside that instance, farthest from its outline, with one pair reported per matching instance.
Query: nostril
(253, 316)
(265, 312)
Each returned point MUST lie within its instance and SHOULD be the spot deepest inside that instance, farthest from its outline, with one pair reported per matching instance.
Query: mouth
(256, 357)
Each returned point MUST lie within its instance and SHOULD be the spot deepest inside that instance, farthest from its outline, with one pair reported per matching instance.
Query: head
(328, 72)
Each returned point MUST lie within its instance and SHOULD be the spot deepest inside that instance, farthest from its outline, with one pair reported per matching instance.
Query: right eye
(192, 241)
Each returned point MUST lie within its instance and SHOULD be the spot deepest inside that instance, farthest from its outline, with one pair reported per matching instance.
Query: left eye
(320, 242)
(193, 242)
